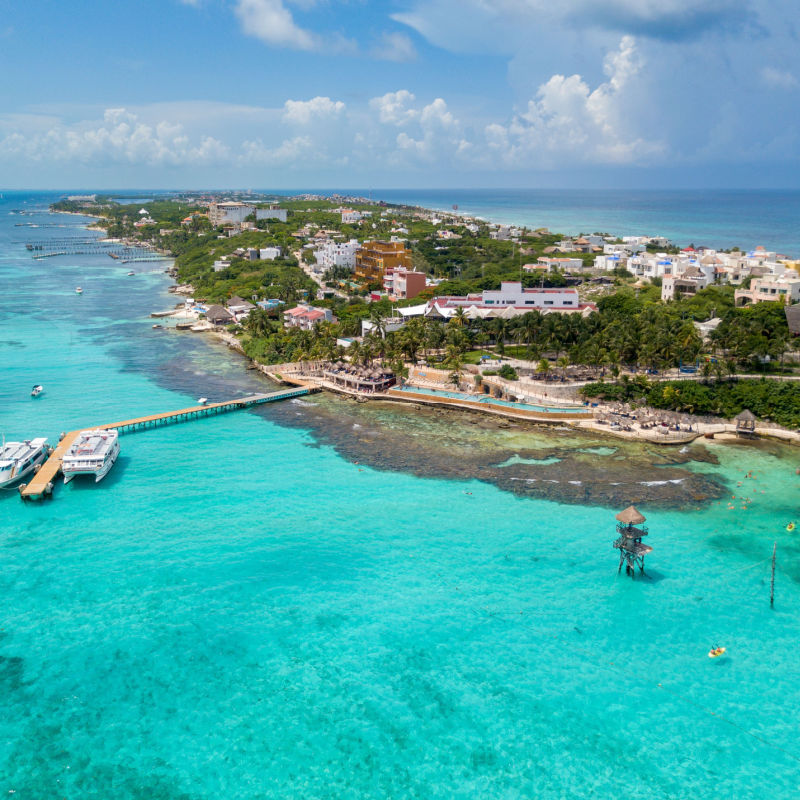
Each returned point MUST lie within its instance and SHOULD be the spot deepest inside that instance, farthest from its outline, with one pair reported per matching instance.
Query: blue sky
(400, 93)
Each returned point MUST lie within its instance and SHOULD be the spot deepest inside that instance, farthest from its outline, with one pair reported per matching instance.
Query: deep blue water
(239, 612)
(720, 219)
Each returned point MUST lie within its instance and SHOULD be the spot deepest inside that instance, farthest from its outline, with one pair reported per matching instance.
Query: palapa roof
(793, 318)
(630, 516)
(746, 416)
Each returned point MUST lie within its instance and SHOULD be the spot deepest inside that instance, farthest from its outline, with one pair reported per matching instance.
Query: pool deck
(420, 396)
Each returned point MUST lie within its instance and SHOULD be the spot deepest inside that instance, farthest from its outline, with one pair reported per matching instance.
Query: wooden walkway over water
(43, 481)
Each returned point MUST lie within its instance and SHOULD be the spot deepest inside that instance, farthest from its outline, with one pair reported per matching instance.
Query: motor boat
(78, 290)
(18, 459)
(37, 390)
(201, 401)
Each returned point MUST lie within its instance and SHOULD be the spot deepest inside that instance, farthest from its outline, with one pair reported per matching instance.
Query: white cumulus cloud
(567, 120)
(393, 107)
(121, 137)
(302, 112)
(272, 22)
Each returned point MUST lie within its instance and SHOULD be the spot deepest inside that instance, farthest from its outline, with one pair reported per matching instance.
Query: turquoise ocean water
(239, 612)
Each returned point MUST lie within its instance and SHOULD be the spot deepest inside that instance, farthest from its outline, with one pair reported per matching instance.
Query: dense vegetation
(632, 329)
(767, 399)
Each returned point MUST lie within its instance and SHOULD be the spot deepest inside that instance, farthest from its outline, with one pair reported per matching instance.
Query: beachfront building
(217, 315)
(785, 288)
(306, 317)
(229, 213)
(403, 284)
(377, 256)
(274, 213)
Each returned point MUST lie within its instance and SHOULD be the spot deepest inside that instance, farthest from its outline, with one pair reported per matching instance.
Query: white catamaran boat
(18, 459)
(92, 453)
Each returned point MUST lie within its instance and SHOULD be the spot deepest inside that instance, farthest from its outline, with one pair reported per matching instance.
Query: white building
(269, 253)
(337, 254)
(229, 213)
(558, 263)
(350, 216)
(271, 213)
(689, 282)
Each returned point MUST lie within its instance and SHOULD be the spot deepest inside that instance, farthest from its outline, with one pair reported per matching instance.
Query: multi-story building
(349, 216)
(337, 254)
(688, 282)
(785, 288)
(403, 283)
(376, 257)
(306, 317)
(229, 213)
(548, 263)
(271, 213)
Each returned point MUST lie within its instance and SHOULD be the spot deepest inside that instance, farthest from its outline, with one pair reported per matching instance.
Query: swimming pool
(495, 401)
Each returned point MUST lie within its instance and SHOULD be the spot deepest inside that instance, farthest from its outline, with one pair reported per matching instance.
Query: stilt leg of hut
(621, 559)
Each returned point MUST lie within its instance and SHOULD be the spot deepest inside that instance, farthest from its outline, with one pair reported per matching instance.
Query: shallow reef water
(325, 599)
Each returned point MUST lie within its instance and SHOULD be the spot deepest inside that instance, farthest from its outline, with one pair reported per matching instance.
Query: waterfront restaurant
(361, 379)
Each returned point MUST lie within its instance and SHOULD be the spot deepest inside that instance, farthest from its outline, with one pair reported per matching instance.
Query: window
(548, 302)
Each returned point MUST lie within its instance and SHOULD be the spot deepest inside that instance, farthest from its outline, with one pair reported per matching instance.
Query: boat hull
(98, 472)
(10, 478)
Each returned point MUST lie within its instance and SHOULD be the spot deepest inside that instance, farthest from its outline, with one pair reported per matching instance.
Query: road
(298, 254)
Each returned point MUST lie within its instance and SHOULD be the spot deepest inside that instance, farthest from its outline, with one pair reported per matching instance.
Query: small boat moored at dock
(37, 390)
(201, 401)
(92, 453)
(18, 459)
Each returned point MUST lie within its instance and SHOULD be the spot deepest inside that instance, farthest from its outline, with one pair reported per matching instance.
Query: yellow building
(375, 257)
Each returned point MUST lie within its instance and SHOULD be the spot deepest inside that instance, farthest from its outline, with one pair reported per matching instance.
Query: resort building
(269, 253)
(229, 213)
(784, 288)
(377, 256)
(402, 283)
(306, 317)
(510, 300)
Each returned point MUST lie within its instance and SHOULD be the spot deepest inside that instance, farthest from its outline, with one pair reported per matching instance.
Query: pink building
(403, 283)
(306, 317)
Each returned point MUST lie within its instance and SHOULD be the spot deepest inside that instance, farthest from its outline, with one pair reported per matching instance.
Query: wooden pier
(42, 482)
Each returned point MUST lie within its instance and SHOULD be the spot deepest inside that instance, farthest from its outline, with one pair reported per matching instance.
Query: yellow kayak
(716, 652)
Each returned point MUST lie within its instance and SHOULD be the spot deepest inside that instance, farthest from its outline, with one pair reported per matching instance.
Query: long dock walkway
(42, 482)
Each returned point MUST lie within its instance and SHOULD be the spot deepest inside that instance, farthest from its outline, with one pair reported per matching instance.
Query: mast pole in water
(772, 579)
